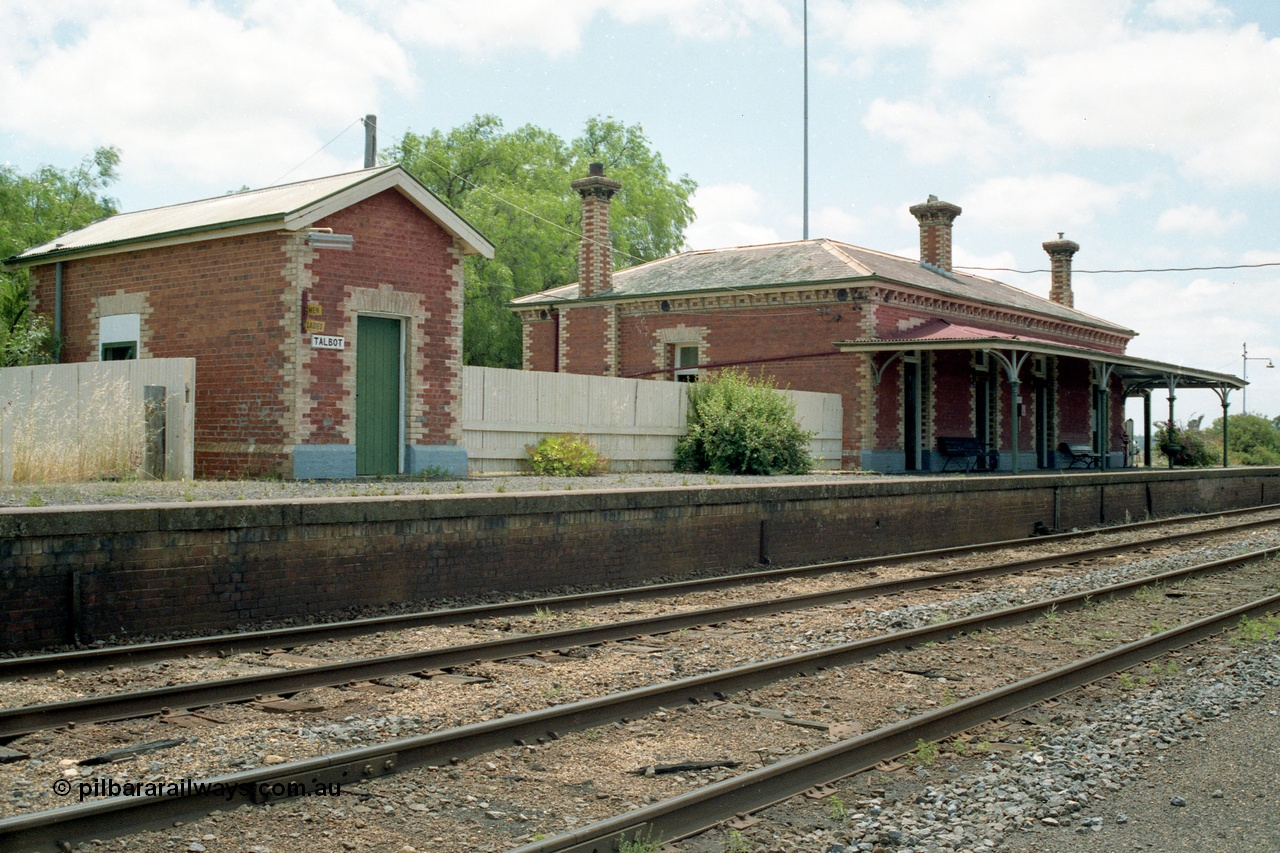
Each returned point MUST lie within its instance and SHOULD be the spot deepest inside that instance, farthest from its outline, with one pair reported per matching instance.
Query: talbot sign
(328, 342)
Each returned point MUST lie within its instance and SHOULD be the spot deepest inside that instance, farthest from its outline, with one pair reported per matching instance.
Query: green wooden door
(377, 396)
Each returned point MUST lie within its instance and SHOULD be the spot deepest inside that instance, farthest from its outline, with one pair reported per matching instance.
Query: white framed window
(1039, 366)
(686, 362)
(118, 337)
(981, 360)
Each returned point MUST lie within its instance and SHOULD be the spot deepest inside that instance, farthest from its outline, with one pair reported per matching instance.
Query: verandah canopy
(1137, 375)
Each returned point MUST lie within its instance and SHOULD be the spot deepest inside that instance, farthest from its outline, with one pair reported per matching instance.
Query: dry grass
(55, 440)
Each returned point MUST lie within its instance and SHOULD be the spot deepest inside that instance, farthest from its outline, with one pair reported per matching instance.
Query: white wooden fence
(635, 423)
(76, 421)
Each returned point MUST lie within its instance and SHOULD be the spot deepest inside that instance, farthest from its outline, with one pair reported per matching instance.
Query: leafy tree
(1254, 440)
(514, 186)
(33, 210)
(742, 425)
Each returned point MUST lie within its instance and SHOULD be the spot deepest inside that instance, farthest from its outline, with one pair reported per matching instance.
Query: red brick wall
(398, 253)
(218, 301)
(542, 344)
(587, 327)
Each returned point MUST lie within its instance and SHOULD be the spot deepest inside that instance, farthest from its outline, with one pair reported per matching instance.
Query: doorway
(379, 378)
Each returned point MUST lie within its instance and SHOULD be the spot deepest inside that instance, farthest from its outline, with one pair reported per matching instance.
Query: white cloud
(933, 136)
(1188, 12)
(192, 88)
(966, 36)
(1193, 219)
(728, 215)
(1210, 99)
(1041, 204)
(556, 27)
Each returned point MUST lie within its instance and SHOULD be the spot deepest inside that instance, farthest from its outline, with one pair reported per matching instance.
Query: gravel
(140, 491)
(1065, 792)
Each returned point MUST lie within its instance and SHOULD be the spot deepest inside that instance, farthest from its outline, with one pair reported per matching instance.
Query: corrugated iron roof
(287, 206)
(811, 262)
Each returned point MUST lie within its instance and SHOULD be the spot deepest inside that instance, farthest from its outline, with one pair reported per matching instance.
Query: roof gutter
(18, 261)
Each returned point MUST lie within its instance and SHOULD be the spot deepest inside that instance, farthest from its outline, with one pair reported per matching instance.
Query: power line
(314, 153)
(536, 216)
(1098, 272)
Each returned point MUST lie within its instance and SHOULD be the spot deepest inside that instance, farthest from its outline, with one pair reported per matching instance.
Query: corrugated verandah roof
(811, 262)
(941, 334)
(284, 206)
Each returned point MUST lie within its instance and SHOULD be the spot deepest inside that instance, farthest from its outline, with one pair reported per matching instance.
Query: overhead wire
(314, 153)
(1153, 269)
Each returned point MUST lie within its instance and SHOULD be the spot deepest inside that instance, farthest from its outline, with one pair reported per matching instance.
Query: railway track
(291, 637)
(16, 722)
(678, 816)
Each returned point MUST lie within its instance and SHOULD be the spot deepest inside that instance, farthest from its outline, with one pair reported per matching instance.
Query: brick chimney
(1060, 252)
(935, 218)
(595, 254)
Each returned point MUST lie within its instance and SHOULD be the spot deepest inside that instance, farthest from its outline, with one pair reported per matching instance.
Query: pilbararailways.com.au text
(108, 787)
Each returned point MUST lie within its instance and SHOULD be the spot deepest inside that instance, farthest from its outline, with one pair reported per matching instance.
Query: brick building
(917, 349)
(325, 318)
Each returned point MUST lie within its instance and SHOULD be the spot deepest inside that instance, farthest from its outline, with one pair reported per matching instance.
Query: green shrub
(565, 456)
(742, 425)
(1192, 448)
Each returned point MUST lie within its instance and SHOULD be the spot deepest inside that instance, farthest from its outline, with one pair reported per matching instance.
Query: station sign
(328, 342)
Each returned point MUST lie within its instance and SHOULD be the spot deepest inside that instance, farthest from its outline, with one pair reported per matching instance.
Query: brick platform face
(221, 567)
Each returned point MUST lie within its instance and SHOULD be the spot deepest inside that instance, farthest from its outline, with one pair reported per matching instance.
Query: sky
(1147, 131)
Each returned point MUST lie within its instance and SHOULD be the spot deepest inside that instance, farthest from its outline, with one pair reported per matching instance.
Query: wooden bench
(966, 450)
(1079, 454)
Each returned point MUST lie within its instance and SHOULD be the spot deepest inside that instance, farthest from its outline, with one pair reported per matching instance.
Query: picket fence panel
(68, 412)
(635, 423)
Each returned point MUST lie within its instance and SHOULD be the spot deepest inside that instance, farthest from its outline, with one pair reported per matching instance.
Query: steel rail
(123, 815)
(32, 665)
(696, 811)
(15, 722)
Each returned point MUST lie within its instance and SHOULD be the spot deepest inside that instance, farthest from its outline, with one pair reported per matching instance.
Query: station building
(325, 317)
(918, 350)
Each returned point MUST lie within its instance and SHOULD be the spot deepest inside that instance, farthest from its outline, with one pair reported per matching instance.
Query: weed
(925, 754)
(1156, 627)
(565, 456)
(982, 747)
(35, 500)
(592, 735)
(960, 747)
(1150, 592)
(538, 836)
(1260, 630)
(642, 843)
(60, 436)
(836, 809)
(1129, 681)
(948, 697)
(540, 613)
(735, 843)
(1051, 615)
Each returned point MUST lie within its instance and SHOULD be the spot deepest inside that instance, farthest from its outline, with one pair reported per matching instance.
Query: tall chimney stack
(595, 254)
(935, 218)
(370, 141)
(1060, 252)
